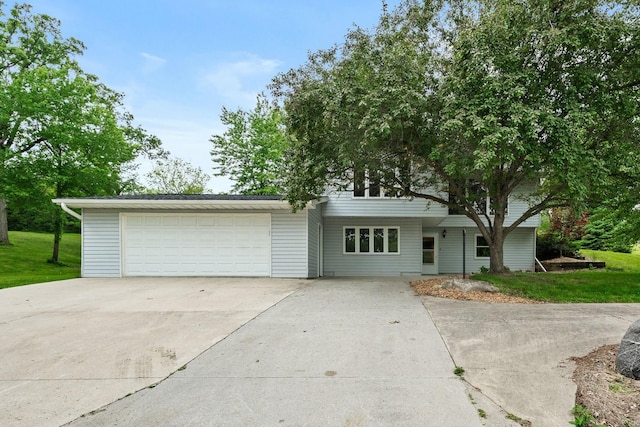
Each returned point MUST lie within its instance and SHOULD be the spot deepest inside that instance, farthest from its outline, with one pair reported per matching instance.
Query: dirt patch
(431, 287)
(613, 399)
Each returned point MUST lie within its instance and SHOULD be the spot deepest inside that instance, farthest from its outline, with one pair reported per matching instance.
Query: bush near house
(25, 261)
(563, 232)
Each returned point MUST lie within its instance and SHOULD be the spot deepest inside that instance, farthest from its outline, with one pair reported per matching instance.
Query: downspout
(71, 212)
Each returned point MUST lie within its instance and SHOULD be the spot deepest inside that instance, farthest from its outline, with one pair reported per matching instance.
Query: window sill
(371, 253)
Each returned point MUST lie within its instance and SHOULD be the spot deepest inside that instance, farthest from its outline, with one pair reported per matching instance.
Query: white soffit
(159, 204)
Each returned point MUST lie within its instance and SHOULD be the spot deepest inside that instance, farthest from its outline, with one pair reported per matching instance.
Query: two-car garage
(197, 235)
(195, 244)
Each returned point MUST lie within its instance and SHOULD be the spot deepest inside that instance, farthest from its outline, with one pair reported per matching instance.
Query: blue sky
(179, 62)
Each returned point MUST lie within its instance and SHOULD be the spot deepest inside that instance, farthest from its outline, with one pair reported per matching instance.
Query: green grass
(619, 283)
(628, 262)
(25, 261)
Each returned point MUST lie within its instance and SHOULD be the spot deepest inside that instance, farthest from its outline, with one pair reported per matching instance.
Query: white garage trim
(195, 244)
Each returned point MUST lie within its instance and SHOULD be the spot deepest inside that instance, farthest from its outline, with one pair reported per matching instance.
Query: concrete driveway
(72, 346)
(340, 352)
(518, 354)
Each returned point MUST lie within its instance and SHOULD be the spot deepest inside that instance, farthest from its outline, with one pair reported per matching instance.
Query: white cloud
(188, 139)
(240, 80)
(151, 62)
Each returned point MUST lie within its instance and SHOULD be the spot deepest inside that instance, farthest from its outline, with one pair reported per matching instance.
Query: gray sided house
(343, 234)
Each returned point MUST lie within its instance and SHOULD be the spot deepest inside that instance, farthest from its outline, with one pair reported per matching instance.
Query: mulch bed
(613, 399)
(431, 287)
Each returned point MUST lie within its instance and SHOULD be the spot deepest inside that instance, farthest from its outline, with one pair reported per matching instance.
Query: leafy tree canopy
(176, 176)
(251, 150)
(474, 100)
(58, 123)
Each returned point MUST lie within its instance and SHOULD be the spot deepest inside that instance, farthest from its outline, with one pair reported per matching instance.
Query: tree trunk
(4, 224)
(58, 222)
(496, 245)
(496, 257)
(57, 235)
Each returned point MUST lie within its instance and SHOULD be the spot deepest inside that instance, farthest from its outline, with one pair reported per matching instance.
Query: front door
(429, 253)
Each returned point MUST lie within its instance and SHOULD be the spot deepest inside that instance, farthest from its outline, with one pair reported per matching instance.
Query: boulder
(467, 285)
(628, 360)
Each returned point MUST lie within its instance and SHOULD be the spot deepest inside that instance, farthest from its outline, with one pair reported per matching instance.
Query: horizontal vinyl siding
(100, 243)
(289, 255)
(408, 261)
(518, 251)
(344, 204)
(314, 218)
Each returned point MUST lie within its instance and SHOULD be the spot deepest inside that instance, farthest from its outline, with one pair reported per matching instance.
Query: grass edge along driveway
(619, 283)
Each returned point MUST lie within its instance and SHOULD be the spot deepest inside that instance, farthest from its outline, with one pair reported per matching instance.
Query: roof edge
(116, 203)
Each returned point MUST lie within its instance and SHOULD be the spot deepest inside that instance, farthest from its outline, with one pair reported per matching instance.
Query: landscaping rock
(628, 360)
(467, 285)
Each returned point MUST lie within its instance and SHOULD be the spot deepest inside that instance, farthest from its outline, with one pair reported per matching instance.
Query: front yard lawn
(619, 283)
(583, 286)
(25, 261)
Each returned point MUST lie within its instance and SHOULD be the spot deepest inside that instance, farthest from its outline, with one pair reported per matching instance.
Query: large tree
(465, 102)
(176, 176)
(57, 122)
(251, 149)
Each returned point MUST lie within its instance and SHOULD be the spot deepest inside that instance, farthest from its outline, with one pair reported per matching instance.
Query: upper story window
(366, 185)
(480, 200)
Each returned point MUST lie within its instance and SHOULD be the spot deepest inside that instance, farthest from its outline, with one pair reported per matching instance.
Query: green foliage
(24, 261)
(606, 231)
(515, 418)
(176, 176)
(251, 150)
(583, 417)
(62, 132)
(459, 371)
(563, 228)
(457, 95)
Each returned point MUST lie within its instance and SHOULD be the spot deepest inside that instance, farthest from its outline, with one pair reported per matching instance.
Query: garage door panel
(196, 244)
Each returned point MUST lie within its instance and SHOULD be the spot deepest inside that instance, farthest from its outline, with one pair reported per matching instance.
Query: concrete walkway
(70, 347)
(339, 352)
(518, 355)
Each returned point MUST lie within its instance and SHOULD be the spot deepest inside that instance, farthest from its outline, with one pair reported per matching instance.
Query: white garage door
(196, 244)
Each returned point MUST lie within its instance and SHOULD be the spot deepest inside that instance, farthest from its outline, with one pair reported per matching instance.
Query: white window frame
(371, 229)
(476, 246)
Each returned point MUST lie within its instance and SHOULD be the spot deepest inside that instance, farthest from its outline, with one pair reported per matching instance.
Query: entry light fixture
(444, 233)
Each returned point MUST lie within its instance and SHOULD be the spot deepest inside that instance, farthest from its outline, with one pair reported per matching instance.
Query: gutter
(70, 212)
